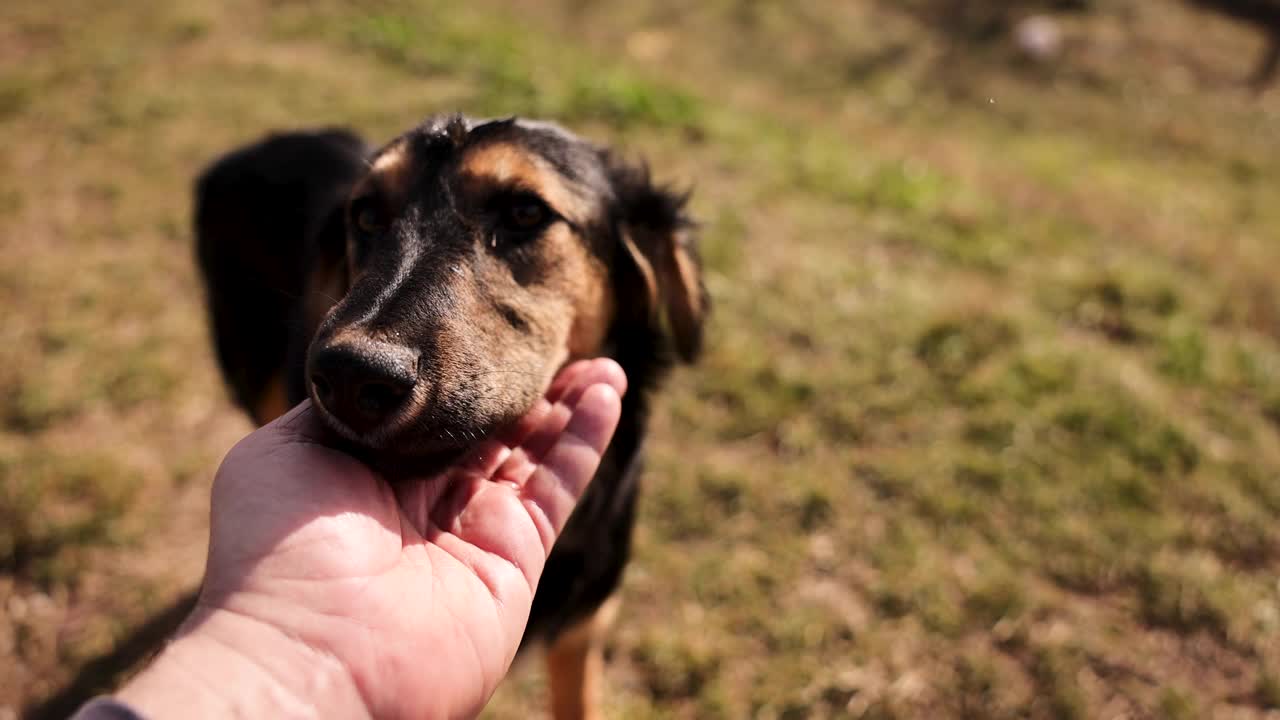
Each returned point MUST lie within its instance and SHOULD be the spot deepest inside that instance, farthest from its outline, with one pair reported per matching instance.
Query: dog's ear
(329, 270)
(269, 233)
(660, 250)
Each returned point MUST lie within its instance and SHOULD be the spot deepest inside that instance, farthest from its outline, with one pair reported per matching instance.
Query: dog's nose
(361, 384)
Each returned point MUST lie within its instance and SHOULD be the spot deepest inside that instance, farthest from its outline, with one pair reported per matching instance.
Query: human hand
(331, 592)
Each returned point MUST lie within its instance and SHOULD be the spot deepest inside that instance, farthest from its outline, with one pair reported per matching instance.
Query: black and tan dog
(425, 294)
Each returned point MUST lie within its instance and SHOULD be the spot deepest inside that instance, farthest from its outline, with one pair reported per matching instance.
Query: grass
(54, 503)
(988, 424)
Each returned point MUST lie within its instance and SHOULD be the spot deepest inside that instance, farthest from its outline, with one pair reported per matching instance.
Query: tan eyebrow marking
(390, 173)
(505, 164)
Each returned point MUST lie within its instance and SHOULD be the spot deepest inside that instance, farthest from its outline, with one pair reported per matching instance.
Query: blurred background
(989, 420)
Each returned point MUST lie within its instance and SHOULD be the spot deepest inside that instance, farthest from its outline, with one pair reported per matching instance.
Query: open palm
(421, 589)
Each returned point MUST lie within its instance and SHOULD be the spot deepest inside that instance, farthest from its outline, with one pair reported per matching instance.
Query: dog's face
(480, 258)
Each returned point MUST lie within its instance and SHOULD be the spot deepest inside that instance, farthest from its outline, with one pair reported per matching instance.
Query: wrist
(224, 664)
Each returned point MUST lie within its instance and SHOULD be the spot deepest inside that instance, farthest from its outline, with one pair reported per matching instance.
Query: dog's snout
(362, 384)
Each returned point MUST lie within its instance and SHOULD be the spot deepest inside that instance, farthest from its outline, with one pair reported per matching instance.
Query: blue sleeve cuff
(105, 708)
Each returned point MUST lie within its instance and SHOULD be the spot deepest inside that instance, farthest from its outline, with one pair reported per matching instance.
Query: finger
(560, 479)
(519, 445)
(571, 380)
(299, 426)
(540, 438)
(586, 372)
(493, 452)
(301, 423)
(565, 378)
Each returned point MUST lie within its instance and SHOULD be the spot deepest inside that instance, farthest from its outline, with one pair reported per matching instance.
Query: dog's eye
(525, 214)
(367, 216)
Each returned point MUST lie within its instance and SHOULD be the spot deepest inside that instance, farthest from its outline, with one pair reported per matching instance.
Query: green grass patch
(514, 73)
(55, 506)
